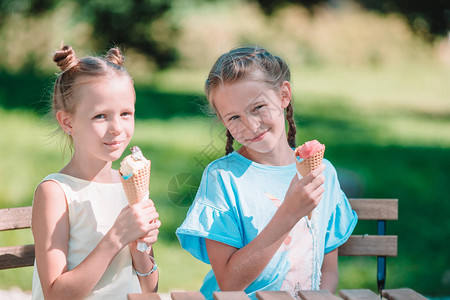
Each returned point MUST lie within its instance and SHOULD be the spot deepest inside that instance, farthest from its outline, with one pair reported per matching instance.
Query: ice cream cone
(135, 177)
(306, 164)
(137, 186)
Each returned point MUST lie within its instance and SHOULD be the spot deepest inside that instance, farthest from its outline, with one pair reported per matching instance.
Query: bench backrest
(379, 245)
(16, 256)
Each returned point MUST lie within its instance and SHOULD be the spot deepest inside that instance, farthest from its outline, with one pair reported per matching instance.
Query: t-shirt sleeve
(343, 219)
(210, 216)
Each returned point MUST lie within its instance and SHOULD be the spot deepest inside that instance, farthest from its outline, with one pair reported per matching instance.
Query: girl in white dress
(85, 232)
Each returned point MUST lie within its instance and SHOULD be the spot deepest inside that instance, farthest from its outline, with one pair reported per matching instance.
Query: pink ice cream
(308, 149)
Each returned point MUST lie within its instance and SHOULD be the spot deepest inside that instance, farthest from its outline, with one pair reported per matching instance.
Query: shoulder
(49, 196)
(223, 162)
(48, 188)
(330, 170)
(223, 165)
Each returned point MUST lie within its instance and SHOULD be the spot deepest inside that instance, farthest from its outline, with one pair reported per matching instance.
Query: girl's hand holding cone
(304, 194)
(309, 157)
(135, 223)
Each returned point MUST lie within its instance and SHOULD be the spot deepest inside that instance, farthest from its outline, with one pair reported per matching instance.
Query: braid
(292, 128)
(229, 147)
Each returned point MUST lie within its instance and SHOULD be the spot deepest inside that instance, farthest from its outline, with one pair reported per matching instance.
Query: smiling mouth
(259, 136)
(115, 143)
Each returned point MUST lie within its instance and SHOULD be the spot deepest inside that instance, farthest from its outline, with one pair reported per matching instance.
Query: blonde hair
(76, 72)
(73, 70)
(243, 63)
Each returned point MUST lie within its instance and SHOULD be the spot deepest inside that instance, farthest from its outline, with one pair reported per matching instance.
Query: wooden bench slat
(146, 296)
(358, 294)
(187, 296)
(402, 294)
(15, 218)
(16, 256)
(316, 295)
(369, 245)
(230, 296)
(375, 209)
(273, 295)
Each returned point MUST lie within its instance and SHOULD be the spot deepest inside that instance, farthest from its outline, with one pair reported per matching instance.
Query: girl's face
(253, 112)
(103, 122)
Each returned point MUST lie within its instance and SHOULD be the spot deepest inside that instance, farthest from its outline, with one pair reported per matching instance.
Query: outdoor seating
(379, 245)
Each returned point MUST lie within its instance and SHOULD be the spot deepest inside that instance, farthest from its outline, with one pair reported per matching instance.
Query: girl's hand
(152, 236)
(135, 222)
(305, 194)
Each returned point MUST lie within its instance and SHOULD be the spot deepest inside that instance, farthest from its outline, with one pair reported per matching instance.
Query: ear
(65, 120)
(286, 94)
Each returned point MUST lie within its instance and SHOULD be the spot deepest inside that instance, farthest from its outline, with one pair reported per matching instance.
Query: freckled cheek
(271, 114)
(237, 130)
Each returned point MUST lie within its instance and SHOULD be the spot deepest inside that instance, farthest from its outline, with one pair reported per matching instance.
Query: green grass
(387, 132)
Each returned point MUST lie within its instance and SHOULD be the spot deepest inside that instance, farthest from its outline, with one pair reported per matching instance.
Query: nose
(115, 126)
(252, 123)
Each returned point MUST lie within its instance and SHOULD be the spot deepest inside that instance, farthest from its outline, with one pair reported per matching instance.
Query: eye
(127, 114)
(257, 108)
(100, 116)
(234, 118)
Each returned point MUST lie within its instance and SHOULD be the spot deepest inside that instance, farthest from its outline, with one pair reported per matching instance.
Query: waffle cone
(311, 163)
(137, 186)
(307, 165)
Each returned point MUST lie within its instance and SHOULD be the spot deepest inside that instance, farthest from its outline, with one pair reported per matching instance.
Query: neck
(98, 171)
(282, 155)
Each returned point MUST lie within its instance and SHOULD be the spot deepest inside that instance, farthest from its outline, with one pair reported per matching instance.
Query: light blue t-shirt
(236, 200)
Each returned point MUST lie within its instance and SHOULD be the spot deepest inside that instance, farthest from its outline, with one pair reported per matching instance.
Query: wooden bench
(379, 245)
(397, 294)
(16, 256)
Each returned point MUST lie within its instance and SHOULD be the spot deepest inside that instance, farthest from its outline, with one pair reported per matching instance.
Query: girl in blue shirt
(249, 218)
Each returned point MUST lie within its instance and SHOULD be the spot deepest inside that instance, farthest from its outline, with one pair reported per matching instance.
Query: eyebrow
(256, 100)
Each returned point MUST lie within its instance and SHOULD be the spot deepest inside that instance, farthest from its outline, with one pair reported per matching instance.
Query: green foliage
(156, 34)
(139, 24)
(130, 23)
(432, 14)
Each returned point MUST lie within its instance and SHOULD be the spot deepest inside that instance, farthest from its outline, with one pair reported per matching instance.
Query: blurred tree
(138, 24)
(431, 16)
(27, 7)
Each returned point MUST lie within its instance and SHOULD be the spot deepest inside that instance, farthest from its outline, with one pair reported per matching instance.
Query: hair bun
(115, 56)
(65, 58)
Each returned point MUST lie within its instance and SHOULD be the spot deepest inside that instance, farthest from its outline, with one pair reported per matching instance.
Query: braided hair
(240, 63)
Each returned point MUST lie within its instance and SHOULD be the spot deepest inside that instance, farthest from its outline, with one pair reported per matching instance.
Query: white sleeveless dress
(93, 208)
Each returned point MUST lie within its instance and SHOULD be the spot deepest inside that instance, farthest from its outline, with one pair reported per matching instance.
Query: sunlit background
(371, 80)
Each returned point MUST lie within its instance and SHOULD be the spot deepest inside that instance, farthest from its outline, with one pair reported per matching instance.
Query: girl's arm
(235, 269)
(330, 274)
(50, 225)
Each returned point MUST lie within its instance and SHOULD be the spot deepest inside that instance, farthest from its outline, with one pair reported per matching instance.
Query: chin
(260, 148)
(115, 155)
